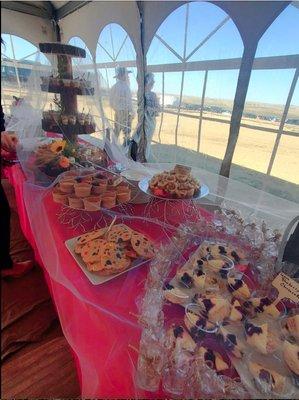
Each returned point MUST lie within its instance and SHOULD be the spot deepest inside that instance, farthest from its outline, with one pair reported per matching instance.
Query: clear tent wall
(225, 79)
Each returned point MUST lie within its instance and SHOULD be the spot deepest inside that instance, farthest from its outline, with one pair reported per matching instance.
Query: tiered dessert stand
(68, 93)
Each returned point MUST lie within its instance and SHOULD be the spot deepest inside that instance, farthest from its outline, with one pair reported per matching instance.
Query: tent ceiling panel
(32, 28)
(95, 16)
(251, 24)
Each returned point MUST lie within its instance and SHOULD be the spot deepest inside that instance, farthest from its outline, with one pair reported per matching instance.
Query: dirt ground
(253, 151)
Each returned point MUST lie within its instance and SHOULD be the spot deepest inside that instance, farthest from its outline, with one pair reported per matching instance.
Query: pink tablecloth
(99, 322)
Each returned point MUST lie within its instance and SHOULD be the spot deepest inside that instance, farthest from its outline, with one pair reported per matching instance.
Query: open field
(253, 149)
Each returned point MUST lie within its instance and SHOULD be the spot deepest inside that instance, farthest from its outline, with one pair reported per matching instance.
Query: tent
(226, 79)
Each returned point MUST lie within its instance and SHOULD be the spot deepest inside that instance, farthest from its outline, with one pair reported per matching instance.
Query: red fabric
(99, 322)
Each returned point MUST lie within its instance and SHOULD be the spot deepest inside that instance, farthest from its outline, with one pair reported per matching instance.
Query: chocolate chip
(187, 280)
(252, 329)
(108, 262)
(168, 286)
(222, 250)
(208, 304)
(209, 356)
(232, 338)
(223, 272)
(199, 262)
(237, 285)
(199, 272)
(178, 331)
(265, 375)
(235, 256)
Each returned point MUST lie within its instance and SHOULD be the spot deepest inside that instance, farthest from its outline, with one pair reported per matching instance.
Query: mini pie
(261, 337)
(174, 295)
(238, 288)
(231, 342)
(237, 312)
(180, 339)
(291, 356)
(212, 359)
(267, 379)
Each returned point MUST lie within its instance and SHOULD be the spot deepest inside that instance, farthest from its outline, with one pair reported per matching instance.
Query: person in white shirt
(151, 111)
(121, 103)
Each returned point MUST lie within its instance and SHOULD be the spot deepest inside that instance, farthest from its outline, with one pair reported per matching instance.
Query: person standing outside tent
(151, 111)
(121, 103)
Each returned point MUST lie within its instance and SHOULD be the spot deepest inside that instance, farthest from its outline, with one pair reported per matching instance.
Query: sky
(271, 86)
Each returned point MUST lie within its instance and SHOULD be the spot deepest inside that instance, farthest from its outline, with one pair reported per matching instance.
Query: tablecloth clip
(283, 244)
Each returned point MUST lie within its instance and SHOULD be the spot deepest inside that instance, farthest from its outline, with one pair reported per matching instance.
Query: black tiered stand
(68, 95)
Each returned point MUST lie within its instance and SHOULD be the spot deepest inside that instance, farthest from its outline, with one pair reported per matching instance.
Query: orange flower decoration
(64, 162)
(58, 146)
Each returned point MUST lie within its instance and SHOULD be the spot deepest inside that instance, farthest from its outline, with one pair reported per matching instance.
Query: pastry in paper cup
(108, 200)
(66, 186)
(82, 189)
(75, 202)
(123, 197)
(59, 197)
(92, 203)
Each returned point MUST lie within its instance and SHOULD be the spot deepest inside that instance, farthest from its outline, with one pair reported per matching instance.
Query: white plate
(94, 277)
(144, 187)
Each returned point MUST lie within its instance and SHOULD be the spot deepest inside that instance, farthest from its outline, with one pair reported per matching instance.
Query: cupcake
(82, 189)
(59, 197)
(83, 179)
(124, 197)
(72, 119)
(108, 200)
(92, 203)
(64, 119)
(75, 202)
(97, 189)
(66, 186)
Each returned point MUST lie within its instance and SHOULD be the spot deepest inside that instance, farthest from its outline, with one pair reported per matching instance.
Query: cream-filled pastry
(266, 379)
(212, 358)
(291, 356)
(261, 337)
(238, 288)
(231, 342)
(175, 295)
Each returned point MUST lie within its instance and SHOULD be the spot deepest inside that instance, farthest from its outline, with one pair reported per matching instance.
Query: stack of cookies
(92, 192)
(177, 183)
(112, 251)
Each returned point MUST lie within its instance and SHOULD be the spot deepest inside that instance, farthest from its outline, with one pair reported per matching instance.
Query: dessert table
(99, 322)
